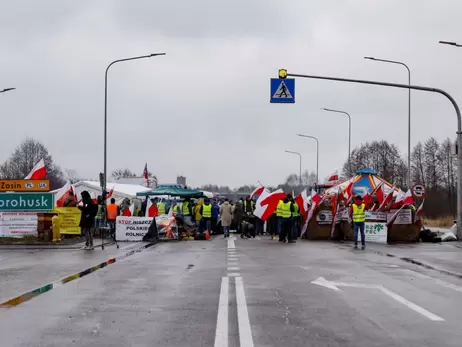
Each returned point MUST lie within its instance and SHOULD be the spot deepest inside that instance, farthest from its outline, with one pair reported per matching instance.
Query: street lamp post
(317, 154)
(6, 90)
(105, 111)
(409, 115)
(349, 136)
(299, 177)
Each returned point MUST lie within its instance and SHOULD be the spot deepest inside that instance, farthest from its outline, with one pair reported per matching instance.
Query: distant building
(151, 182)
(181, 180)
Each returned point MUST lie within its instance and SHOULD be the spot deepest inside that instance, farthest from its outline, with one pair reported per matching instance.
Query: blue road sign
(282, 90)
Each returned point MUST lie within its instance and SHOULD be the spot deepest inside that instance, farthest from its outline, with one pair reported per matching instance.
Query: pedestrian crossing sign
(282, 90)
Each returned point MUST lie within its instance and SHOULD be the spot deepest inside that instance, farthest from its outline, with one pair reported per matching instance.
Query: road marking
(233, 268)
(436, 280)
(221, 333)
(234, 274)
(321, 281)
(231, 244)
(233, 264)
(232, 256)
(245, 332)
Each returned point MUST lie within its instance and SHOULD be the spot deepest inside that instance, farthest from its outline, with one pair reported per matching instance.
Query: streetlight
(349, 135)
(450, 43)
(6, 90)
(105, 111)
(300, 177)
(317, 154)
(409, 115)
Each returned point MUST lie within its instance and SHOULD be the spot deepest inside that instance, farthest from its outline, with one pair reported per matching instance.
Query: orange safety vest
(111, 211)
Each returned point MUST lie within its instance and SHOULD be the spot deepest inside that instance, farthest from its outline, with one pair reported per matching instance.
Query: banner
(324, 217)
(403, 217)
(70, 220)
(18, 224)
(376, 216)
(134, 228)
(376, 232)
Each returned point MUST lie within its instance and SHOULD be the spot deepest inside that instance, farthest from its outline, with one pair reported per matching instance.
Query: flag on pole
(267, 203)
(387, 200)
(109, 195)
(38, 172)
(257, 191)
(333, 177)
(315, 197)
(146, 172)
(303, 202)
(151, 209)
(419, 211)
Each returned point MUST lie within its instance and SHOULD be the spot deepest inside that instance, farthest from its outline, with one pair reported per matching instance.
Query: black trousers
(286, 230)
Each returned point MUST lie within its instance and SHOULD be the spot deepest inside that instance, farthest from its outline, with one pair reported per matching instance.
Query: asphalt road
(244, 293)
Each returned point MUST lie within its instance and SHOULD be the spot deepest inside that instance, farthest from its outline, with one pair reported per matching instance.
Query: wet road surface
(244, 293)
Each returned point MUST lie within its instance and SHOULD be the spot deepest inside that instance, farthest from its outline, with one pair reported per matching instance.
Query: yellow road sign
(24, 185)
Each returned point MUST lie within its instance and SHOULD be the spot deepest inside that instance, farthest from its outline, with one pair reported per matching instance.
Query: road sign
(26, 202)
(418, 191)
(282, 90)
(24, 185)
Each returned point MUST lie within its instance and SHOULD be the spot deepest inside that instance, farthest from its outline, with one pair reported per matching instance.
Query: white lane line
(234, 274)
(231, 244)
(232, 257)
(221, 333)
(233, 268)
(245, 333)
(233, 264)
(436, 280)
(127, 246)
(411, 305)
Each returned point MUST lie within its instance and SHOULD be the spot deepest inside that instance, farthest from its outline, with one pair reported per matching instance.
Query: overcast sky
(203, 110)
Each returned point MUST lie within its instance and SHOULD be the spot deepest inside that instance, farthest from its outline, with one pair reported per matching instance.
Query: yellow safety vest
(279, 209)
(359, 216)
(296, 210)
(175, 210)
(285, 210)
(185, 208)
(161, 208)
(207, 211)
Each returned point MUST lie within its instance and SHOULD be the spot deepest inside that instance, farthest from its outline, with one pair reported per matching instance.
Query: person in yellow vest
(206, 213)
(358, 215)
(187, 211)
(197, 214)
(286, 210)
(278, 219)
(296, 220)
(112, 211)
(161, 208)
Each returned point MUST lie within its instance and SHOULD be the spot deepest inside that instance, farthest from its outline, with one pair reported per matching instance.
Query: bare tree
(23, 159)
(123, 173)
(72, 176)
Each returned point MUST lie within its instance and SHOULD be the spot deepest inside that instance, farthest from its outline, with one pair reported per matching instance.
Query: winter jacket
(226, 214)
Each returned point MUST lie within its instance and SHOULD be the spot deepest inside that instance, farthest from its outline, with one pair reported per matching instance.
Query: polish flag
(257, 191)
(93, 197)
(145, 171)
(38, 172)
(267, 203)
(419, 211)
(303, 202)
(380, 193)
(151, 209)
(387, 200)
(407, 198)
(333, 177)
(399, 196)
(63, 193)
(315, 197)
(109, 195)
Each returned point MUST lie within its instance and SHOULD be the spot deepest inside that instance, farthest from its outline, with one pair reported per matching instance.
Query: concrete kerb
(50, 286)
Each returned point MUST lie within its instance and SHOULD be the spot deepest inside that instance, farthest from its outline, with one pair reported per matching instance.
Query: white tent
(121, 191)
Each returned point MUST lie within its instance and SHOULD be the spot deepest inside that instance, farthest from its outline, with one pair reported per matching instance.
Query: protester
(296, 220)
(206, 213)
(358, 215)
(112, 211)
(215, 213)
(125, 208)
(197, 214)
(226, 215)
(273, 225)
(70, 200)
(286, 212)
(87, 218)
(161, 206)
(99, 218)
(238, 213)
(187, 211)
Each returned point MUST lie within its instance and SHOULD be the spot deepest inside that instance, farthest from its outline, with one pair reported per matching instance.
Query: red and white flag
(109, 195)
(38, 172)
(63, 193)
(333, 177)
(257, 191)
(315, 197)
(387, 200)
(407, 198)
(146, 172)
(267, 203)
(303, 202)
(419, 211)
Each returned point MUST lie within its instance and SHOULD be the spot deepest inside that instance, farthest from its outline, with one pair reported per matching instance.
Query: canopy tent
(365, 181)
(172, 191)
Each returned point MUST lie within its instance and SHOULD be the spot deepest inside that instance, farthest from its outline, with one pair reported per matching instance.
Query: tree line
(433, 164)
